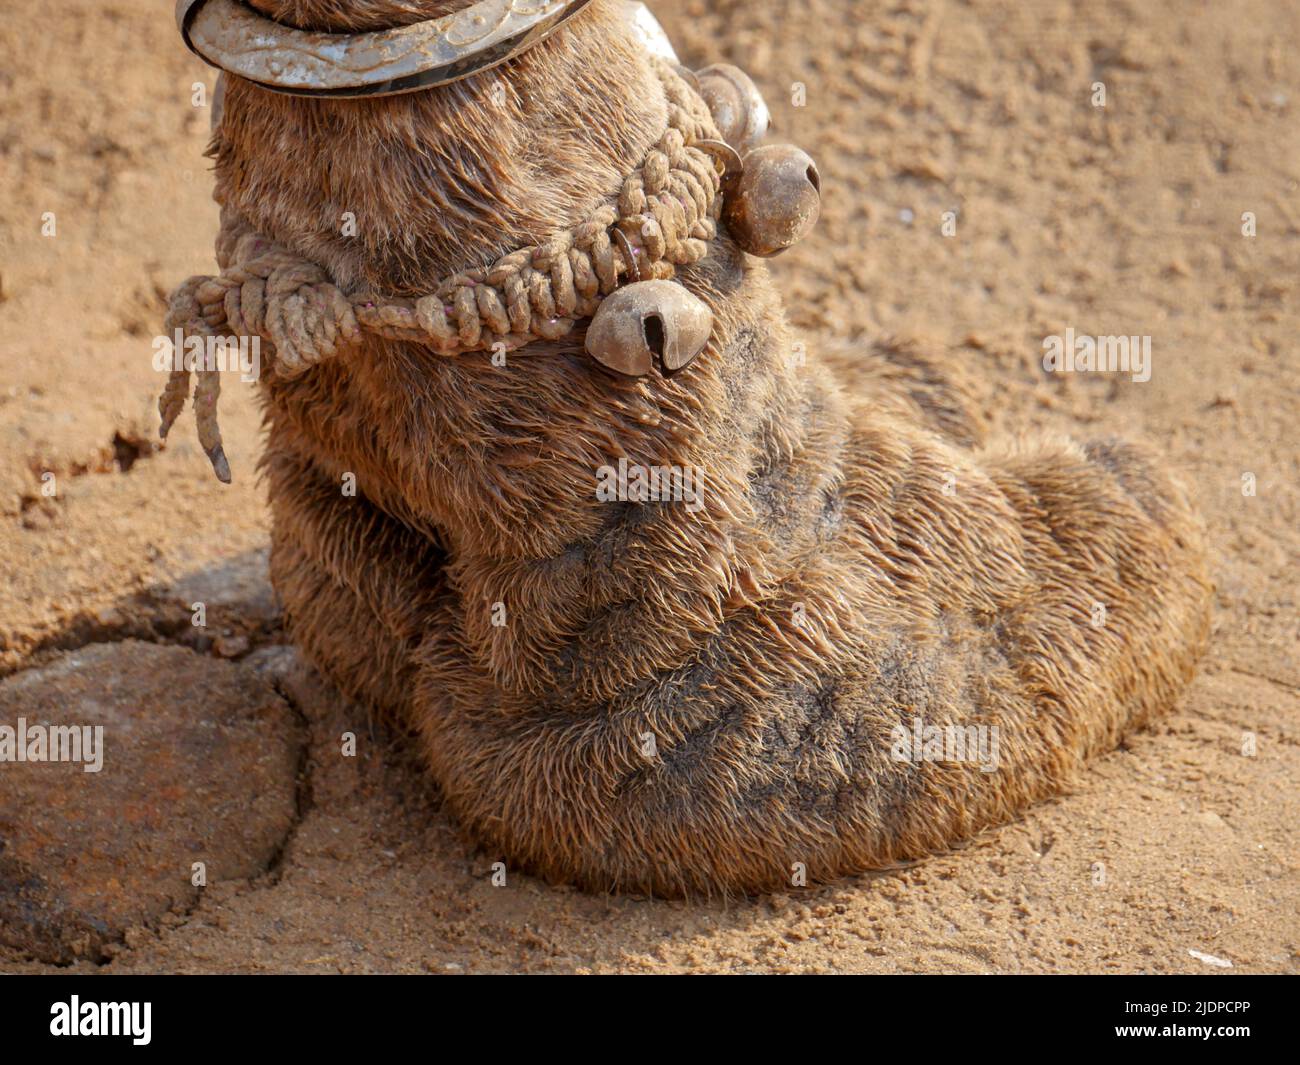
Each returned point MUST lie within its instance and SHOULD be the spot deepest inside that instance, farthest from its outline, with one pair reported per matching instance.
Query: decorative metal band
(232, 36)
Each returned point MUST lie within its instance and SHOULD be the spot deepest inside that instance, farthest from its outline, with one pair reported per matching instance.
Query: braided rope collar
(665, 216)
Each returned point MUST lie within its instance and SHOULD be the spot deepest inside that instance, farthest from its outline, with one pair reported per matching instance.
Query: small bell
(775, 202)
(646, 319)
(736, 105)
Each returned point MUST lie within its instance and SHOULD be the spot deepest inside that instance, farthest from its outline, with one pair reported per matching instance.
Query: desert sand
(976, 195)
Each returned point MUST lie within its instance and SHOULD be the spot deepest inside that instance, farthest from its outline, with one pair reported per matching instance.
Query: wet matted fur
(634, 695)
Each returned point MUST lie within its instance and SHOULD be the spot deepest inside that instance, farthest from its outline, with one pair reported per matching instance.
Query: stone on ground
(199, 765)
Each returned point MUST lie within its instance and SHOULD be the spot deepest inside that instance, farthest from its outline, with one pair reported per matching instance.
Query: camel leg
(356, 584)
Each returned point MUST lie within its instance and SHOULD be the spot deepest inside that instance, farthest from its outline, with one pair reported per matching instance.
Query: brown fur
(476, 485)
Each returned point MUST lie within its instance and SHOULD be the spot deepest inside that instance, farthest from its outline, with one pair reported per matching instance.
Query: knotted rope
(665, 215)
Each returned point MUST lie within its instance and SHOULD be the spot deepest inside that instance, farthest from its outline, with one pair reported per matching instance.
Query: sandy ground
(1122, 219)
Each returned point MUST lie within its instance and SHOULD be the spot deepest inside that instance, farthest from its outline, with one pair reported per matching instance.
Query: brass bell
(646, 319)
(736, 105)
(775, 202)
